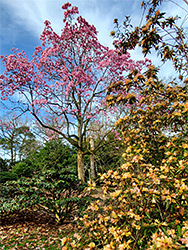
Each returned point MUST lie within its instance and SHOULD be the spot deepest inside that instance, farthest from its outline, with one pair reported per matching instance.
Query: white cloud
(32, 14)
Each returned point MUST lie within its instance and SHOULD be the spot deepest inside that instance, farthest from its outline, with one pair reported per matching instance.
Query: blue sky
(22, 21)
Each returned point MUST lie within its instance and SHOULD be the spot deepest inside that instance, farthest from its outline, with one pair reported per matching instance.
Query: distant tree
(53, 155)
(3, 165)
(16, 140)
(66, 79)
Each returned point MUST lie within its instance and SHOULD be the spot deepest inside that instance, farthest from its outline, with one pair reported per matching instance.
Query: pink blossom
(66, 6)
(64, 84)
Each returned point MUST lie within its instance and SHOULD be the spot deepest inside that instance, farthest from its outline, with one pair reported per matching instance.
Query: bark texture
(80, 166)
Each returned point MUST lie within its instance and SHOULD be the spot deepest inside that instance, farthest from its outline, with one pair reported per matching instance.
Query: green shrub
(7, 176)
(4, 165)
(59, 193)
(53, 155)
(22, 169)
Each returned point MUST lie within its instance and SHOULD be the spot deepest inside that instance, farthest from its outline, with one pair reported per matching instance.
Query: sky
(22, 21)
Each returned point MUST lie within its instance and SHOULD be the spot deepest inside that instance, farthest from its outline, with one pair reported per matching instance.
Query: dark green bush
(7, 176)
(58, 193)
(4, 165)
(53, 155)
(22, 169)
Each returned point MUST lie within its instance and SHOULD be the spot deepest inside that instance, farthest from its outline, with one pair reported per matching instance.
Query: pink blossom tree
(66, 78)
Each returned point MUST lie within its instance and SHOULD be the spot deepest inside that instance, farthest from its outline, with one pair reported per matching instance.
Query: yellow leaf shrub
(145, 202)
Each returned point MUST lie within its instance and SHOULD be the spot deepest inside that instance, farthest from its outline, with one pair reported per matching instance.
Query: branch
(71, 141)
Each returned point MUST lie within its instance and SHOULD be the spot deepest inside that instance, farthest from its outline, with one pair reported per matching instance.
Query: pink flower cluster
(69, 12)
(68, 75)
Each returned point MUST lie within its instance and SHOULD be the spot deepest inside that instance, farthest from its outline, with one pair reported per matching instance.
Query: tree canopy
(66, 78)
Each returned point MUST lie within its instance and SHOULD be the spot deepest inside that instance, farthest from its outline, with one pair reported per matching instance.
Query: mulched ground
(32, 230)
(29, 229)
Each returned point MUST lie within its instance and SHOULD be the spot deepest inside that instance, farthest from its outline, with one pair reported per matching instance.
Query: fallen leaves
(37, 234)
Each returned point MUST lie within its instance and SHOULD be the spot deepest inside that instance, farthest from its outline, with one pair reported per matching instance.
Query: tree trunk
(92, 160)
(80, 166)
(12, 153)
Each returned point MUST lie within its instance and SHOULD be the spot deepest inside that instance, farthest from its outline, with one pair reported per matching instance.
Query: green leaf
(179, 230)
(165, 232)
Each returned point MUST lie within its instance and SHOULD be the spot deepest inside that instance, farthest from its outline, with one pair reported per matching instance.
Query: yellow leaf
(177, 113)
(63, 241)
(113, 214)
(185, 154)
(185, 145)
(107, 247)
(91, 245)
(116, 193)
(112, 33)
(157, 121)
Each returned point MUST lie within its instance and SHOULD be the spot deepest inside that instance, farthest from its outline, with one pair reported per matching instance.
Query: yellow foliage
(145, 204)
